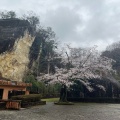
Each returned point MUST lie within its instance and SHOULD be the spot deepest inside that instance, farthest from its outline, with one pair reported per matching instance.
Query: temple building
(12, 88)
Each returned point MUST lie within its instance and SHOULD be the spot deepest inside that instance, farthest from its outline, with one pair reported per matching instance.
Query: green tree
(37, 87)
(8, 15)
(43, 51)
(32, 18)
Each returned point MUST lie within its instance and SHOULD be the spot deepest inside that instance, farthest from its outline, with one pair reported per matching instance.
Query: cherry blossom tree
(79, 64)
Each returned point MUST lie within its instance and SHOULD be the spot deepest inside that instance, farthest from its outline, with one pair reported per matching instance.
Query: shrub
(27, 98)
(95, 100)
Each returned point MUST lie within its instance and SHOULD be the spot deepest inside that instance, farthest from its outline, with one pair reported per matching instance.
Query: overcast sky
(82, 23)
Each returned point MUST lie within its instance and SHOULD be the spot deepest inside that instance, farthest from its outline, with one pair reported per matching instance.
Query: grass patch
(51, 99)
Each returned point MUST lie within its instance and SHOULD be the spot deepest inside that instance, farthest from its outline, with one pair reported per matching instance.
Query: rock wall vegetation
(16, 38)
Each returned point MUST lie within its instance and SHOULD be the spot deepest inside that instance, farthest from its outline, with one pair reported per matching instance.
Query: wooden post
(26, 92)
(5, 94)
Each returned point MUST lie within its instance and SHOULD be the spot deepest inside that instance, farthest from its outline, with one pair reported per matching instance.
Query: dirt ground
(79, 111)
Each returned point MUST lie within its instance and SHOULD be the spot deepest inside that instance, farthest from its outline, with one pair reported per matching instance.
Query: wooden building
(9, 88)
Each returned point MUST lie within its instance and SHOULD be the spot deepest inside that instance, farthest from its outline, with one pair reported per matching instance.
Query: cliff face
(16, 39)
(10, 30)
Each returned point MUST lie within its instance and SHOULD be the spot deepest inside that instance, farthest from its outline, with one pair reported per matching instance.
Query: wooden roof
(14, 83)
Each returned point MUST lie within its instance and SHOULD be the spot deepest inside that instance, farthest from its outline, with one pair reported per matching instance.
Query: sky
(80, 23)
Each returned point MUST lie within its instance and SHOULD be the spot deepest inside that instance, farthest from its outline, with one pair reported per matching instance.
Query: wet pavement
(79, 111)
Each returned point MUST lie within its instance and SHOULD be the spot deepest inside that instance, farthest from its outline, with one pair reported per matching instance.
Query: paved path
(79, 111)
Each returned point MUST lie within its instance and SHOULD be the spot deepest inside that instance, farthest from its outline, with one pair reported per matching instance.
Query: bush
(95, 100)
(27, 98)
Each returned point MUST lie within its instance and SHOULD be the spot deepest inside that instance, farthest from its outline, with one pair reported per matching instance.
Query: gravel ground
(79, 111)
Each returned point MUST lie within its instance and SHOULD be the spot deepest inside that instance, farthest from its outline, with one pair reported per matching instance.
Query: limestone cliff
(15, 43)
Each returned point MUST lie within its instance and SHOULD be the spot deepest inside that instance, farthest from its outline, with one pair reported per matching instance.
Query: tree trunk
(38, 59)
(63, 94)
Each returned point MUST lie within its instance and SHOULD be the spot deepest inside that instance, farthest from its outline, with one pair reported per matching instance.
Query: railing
(12, 104)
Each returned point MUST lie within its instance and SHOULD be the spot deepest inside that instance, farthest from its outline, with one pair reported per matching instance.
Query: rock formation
(16, 38)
